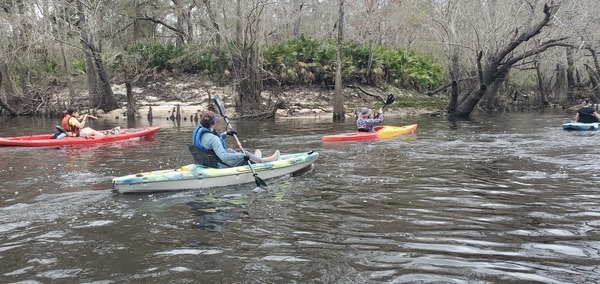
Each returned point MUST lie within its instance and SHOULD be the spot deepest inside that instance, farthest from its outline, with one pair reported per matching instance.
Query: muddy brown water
(510, 198)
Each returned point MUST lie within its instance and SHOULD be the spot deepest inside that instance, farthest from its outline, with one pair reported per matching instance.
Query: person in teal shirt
(208, 140)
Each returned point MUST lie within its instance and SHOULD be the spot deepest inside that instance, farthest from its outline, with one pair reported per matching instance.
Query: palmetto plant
(314, 61)
(306, 60)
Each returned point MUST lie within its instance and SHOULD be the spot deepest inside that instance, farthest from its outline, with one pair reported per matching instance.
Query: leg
(88, 132)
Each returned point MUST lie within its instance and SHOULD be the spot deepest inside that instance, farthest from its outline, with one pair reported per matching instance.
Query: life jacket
(198, 132)
(72, 130)
(205, 156)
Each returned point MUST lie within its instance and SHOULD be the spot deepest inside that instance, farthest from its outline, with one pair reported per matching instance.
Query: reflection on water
(506, 199)
(212, 213)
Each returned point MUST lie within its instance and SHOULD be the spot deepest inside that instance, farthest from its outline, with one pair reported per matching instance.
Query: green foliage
(168, 57)
(157, 56)
(78, 67)
(208, 61)
(303, 59)
(50, 67)
(311, 61)
(525, 80)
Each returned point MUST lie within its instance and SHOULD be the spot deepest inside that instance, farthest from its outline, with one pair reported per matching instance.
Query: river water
(501, 199)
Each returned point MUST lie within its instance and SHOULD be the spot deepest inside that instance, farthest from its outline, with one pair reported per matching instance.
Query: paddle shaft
(236, 138)
(390, 99)
(90, 116)
(221, 108)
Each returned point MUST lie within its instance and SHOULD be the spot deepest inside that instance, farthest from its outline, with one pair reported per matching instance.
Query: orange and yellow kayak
(380, 132)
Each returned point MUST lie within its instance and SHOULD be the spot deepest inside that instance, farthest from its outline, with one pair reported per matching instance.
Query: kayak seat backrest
(203, 158)
(60, 129)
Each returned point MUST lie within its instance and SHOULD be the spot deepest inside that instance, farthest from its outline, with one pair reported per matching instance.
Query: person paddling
(74, 125)
(367, 124)
(208, 140)
(587, 113)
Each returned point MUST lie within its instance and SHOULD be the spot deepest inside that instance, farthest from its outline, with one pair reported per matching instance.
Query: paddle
(221, 108)
(390, 99)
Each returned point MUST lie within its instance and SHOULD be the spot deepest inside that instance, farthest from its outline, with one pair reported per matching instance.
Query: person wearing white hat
(365, 123)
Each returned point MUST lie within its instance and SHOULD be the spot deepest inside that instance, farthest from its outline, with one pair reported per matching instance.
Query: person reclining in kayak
(208, 140)
(587, 113)
(75, 125)
(365, 123)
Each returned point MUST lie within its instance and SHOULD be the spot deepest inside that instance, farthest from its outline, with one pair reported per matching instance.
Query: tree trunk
(338, 99)
(571, 85)
(109, 102)
(595, 57)
(298, 21)
(3, 104)
(212, 15)
(453, 97)
(101, 94)
(179, 12)
(6, 79)
(130, 100)
(137, 29)
(246, 69)
(540, 82)
(593, 76)
(561, 86)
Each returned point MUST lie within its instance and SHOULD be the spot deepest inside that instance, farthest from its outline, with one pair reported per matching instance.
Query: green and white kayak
(196, 176)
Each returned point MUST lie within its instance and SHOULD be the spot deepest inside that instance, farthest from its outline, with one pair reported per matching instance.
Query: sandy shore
(192, 97)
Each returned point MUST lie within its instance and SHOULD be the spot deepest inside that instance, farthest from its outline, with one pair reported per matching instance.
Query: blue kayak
(581, 126)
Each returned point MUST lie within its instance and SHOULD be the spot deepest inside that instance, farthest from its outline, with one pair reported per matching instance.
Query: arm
(213, 143)
(378, 117)
(377, 120)
(80, 122)
(73, 121)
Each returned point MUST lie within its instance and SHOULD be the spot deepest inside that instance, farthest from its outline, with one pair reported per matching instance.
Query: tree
(101, 94)
(338, 98)
(245, 56)
(496, 52)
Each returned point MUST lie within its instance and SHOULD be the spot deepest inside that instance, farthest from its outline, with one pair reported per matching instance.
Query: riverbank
(193, 94)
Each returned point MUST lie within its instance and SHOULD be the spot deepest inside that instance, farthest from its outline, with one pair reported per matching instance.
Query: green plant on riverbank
(305, 61)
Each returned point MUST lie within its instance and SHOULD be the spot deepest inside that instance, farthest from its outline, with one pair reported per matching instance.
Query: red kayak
(380, 132)
(45, 140)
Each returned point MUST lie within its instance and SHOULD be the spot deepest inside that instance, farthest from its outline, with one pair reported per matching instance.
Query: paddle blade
(220, 106)
(260, 182)
(390, 99)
